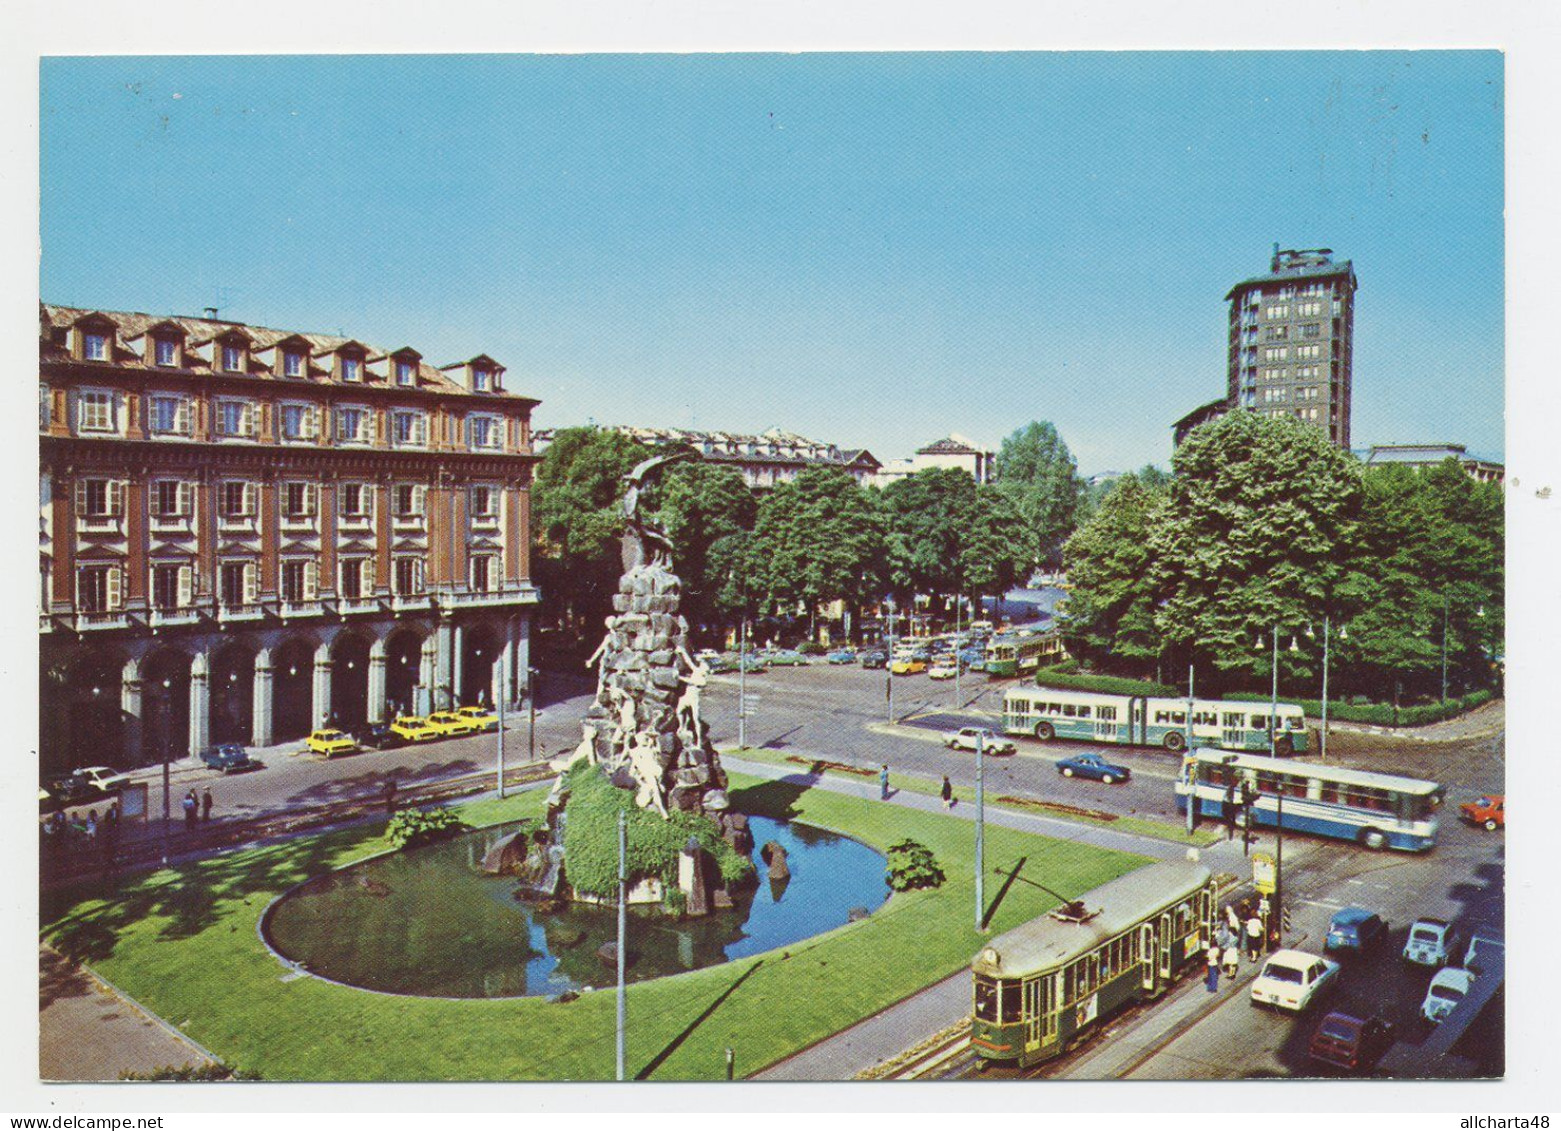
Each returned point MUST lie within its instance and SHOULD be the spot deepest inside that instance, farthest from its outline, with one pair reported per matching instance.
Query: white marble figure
(585, 752)
(623, 736)
(601, 654)
(688, 705)
(645, 765)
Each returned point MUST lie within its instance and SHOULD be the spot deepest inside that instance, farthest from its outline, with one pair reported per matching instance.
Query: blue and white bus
(1372, 809)
(1136, 720)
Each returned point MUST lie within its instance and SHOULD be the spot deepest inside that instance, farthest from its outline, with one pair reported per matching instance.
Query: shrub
(1063, 676)
(1358, 710)
(912, 865)
(409, 828)
(191, 1073)
(654, 844)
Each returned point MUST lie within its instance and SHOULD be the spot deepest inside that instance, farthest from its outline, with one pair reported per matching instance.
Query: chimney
(211, 311)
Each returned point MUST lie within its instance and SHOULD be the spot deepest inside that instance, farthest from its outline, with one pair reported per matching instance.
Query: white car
(1431, 943)
(1446, 991)
(943, 670)
(1293, 979)
(991, 741)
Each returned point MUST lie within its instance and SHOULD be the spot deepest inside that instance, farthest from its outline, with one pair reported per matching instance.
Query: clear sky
(873, 250)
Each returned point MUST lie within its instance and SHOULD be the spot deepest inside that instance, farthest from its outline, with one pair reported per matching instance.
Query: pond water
(428, 922)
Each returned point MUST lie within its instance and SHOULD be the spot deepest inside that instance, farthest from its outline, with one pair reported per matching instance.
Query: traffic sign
(1265, 873)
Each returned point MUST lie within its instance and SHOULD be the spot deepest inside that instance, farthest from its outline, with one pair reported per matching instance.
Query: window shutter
(116, 497)
(471, 432)
(115, 585)
(181, 417)
(366, 576)
(417, 575)
(370, 501)
(251, 501)
(311, 580)
(420, 429)
(420, 500)
(81, 497)
(186, 586)
(186, 502)
(251, 583)
(311, 490)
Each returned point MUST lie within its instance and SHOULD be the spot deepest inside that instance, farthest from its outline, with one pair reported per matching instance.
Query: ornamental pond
(429, 923)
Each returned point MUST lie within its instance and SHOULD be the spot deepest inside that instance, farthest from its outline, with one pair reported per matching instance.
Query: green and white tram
(1018, 653)
(1044, 986)
(1136, 720)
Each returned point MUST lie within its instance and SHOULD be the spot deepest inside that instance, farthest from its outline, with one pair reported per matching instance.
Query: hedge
(1063, 676)
(654, 844)
(1381, 714)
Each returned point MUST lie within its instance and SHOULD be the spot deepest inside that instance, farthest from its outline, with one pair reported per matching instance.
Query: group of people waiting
(1244, 927)
(93, 831)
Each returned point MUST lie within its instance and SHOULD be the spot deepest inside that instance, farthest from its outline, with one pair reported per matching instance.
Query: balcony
(227, 614)
(349, 605)
(161, 618)
(410, 602)
(94, 622)
(513, 595)
(290, 609)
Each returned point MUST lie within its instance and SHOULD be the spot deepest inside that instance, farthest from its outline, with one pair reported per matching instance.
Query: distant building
(953, 450)
(1201, 415)
(763, 460)
(1429, 455)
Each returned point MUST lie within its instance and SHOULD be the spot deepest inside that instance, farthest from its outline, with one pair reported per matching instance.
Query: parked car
(450, 724)
(1488, 811)
(1444, 993)
(706, 656)
(1431, 943)
(1093, 766)
(874, 659)
(753, 664)
(974, 659)
(841, 656)
(1346, 1041)
(413, 728)
(88, 783)
(1293, 980)
(943, 669)
(719, 664)
(1483, 943)
(785, 658)
(991, 742)
(378, 736)
(329, 742)
(1356, 930)
(485, 718)
(908, 666)
(229, 758)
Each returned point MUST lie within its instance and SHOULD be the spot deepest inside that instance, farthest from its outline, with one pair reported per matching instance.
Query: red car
(1489, 811)
(1354, 1043)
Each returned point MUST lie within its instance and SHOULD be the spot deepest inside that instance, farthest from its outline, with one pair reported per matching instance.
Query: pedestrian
(1232, 920)
(390, 797)
(191, 811)
(1232, 960)
(1228, 811)
(206, 804)
(948, 793)
(883, 783)
(1212, 975)
(92, 825)
(1254, 938)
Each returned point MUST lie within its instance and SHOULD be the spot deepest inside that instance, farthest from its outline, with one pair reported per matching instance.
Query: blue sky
(874, 250)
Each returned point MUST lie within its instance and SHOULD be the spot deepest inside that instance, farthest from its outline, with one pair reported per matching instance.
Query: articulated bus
(1372, 809)
(1015, 653)
(1048, 984)
(1136, 720)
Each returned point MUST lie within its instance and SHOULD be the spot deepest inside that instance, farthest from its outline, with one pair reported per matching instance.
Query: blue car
(1355, 929)
(1093, 766)
(841, 656)
(974, 659)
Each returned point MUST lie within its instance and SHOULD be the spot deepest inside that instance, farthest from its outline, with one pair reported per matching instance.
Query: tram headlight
(990, 957)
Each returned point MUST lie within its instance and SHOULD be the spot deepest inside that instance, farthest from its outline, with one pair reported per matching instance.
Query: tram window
(1179, 717)
(1159, 716)
(1108, 713)
(1083, 712)
(986, 999)
(1012, 1001)
(1259, 722)
(1330, 791)
(1233, 720)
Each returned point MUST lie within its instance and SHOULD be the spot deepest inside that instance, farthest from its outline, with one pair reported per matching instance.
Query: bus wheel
(1284, 747)
(1044, 732)
(1373, 838)
(1175, 741)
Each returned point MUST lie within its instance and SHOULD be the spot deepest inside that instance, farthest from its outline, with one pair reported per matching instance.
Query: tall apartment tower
(1292, 334)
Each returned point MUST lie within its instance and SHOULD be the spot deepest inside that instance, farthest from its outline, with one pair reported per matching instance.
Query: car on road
(377, 736)
(874, 659)
(752, 664)
(907, 666)
(720, 664)
(1355, 930)
(229, 758)
(329, 742)
(1431, 943)
(943, 669)
(88, 783)
(841, 656)
(485, 718)
(991, 742)
(1346, 1041)
(414, 728)
(974, 659)
(450, 724)
(1093, 766)
(1293, 980)
(1489, 812)
(1446, 990)
(785, 658)
(1484, 942)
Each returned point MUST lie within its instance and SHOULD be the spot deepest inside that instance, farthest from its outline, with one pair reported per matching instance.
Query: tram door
(1147, 954)
(1233, 736)
(1040, 1007)
(1106, 727)
(1167, 941)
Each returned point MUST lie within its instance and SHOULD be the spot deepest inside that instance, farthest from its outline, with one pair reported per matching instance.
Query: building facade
(247, 533)
(1292, 334)
(1419, 456)
(953, 450)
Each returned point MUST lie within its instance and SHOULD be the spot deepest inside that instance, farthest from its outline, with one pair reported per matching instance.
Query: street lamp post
(1192, 784)
(167, 735)
(531, 712)
(742, 686)
(623, 930)
(980, 829)
(503, 695)
(888, 664)
(1444, 645)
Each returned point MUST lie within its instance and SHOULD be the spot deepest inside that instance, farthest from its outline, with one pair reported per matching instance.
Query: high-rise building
(247, 533)
(1292, 335)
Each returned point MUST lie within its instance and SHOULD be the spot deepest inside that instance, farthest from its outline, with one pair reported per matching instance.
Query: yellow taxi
(484, 718)
(909, 665)
(451, 723)
(329, 742)
(413, 728)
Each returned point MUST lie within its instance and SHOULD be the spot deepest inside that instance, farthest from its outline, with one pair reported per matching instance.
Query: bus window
(1329, 791)
(986, 998)
(1012, 1003)
(1179, 717)
(1266, 783)
(1067, 710)
(1233, 720)
(1295, 723)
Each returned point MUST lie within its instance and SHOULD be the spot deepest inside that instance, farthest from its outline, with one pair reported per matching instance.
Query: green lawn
(184, 942)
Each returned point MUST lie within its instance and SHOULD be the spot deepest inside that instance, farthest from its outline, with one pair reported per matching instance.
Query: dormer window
(94, 346)
(406, 372)
(351, 369)
(232, 358)
(165, 351)
(481, 379)
(292, 363)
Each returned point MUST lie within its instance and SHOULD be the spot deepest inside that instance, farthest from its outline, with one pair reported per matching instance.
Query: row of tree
(1265, 524)
(807, 543)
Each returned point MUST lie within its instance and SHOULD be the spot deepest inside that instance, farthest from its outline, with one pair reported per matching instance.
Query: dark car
(1093, 766)
(875, 659)
(229, 758)
(1355, 929)
(378, 736)
(1353, 1043)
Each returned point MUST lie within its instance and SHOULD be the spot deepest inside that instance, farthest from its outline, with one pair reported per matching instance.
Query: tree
(1093, 494)
(708, 511)
(1112, 604)
(1038, 474)
(577, 519)
(1257, 532)
(946, 536)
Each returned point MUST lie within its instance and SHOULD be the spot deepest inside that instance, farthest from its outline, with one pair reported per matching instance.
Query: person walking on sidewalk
(948, 793)
(883, 783)
(206, 804)
(1212, 975)
(1254, 937)
(191, 811)
(1232, 960)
